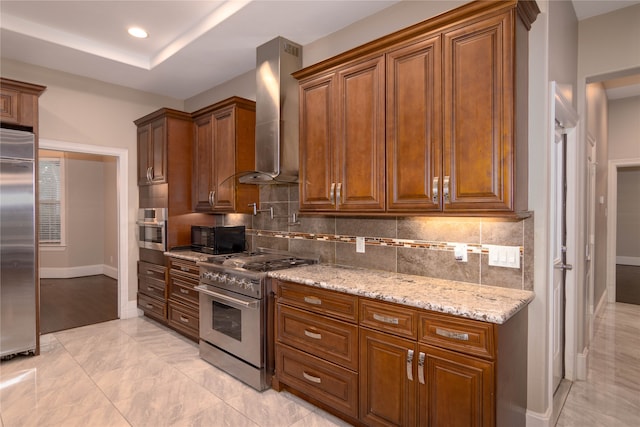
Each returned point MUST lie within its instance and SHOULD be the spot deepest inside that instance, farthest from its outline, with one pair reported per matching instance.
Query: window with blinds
(51, 188)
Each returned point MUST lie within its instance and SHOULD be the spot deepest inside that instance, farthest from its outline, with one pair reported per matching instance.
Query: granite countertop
(187, 254)
(480, 302)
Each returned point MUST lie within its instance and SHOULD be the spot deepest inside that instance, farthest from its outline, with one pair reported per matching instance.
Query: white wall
(624, 128)
(86, 111)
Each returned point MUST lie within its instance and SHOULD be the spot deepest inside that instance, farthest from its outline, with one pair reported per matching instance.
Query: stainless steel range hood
(276, 113)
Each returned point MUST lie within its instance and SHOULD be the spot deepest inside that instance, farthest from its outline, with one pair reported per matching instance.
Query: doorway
(121, 156)
(78, 240)
(623, 251)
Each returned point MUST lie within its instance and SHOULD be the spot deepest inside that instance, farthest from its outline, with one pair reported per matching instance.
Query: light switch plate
(360, 245)
(504, 256)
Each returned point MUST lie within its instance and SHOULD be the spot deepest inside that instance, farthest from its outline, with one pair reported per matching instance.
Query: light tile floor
(610, 397)
(134, 372)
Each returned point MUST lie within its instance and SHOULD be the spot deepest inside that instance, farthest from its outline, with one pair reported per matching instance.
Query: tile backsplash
(413, 245)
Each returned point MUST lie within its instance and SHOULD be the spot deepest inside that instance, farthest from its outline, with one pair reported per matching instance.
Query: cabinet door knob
(332, 193)
(421, 357)
(313, 335)
(410, 365)
(313, 300)
(312, 378)
(445, 188)
(434, 189)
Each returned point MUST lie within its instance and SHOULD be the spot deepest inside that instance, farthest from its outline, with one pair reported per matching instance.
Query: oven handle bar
(225, 298)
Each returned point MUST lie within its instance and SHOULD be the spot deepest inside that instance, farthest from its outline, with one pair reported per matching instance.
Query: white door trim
(122, 166)
(612, 212)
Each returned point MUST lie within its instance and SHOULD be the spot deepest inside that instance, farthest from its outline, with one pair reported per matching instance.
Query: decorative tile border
(374, 241)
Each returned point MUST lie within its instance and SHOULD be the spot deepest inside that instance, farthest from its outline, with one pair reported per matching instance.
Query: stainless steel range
(236, 318)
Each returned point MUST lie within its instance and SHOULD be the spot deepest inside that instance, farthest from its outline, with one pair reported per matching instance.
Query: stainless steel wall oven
(151, 228)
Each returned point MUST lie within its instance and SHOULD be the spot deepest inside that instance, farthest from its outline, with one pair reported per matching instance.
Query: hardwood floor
(80, 301)
(628, 284)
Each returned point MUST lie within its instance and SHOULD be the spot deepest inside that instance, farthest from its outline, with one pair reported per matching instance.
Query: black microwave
(218, 240)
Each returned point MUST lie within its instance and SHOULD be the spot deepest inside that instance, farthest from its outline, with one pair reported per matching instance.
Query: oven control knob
(223, 278)
(207, 275)
(232, 280)
(243, 283)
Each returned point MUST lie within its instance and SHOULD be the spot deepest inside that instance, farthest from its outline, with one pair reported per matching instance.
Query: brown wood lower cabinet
(414, 367)
(387, 393)
(184, 303)
(152, 290)
(456, 390)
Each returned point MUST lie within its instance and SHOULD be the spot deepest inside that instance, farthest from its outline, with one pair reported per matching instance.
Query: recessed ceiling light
(138, 32)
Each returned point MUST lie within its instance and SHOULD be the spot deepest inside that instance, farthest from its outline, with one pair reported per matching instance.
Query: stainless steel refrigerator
(17, 243)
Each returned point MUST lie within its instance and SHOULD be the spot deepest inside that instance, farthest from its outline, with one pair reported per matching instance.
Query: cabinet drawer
(335, 304)
(326, 338)
(388, 317)
(185, 267)
(463, 335)
(152, 307)
(152, 271)
(152, 287)
(184, 318)
(328, 383)
(181, 288)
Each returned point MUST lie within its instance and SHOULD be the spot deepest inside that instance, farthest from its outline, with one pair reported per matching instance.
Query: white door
(564, 121)
(557, 232)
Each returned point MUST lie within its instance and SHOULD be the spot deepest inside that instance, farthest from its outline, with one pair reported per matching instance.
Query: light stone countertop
(480, 302)
(187, 254)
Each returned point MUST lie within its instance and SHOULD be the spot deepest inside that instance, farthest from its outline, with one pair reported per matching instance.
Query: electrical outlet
(460, 252)
(360, 245)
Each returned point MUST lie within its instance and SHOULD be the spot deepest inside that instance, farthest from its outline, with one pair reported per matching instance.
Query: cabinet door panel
(458, 390)
(478, 134)
(144, 146)
(413, 126)
(360, 145)
(203, 160)
(387, 395)
(224, 157)
(158, 152)
(316, 143)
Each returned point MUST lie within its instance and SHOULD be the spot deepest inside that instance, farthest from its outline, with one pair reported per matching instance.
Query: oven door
(232, 322)
(152, 235)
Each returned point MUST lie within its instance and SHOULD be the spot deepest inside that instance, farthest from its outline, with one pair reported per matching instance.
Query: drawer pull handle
(453, 335)
(184, 268)
(313, 300)
(149, 306)
(313, 335)
(184, 319)
(410, 365)
(184, 291)
(421, 357)
(149, 288)
(149, 272)
(386, 319)
(312, 378)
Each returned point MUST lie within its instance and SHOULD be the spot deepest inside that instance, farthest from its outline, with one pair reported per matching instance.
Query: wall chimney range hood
(276, 113)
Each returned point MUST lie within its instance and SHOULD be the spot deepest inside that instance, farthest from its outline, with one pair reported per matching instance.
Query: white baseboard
(130, 310)
(80, 271)
(538, 419)
(582, 364)
(628, 260)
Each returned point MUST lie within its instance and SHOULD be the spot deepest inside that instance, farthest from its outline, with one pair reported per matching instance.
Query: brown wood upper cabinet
(19, 103)
(443, 94)
(342, 138)
(224, 135)
(156, 132)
